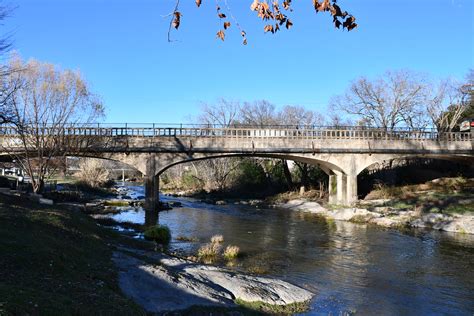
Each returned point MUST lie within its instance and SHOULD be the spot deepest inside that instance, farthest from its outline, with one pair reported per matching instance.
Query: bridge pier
(351, 189)
(332, 188)
(151, 193)
(340, 187)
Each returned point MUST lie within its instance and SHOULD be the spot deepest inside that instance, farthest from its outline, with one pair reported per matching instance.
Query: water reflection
(350, 267)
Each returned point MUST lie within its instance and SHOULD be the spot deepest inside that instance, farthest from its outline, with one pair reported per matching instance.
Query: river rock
(176, 284)
(434, 218)
(358, 214)
(388, 216)
(383, 209)
(303, 205)
(386, 221)
(257, 203)
(461, 224)
(46, 201)
(376, 202)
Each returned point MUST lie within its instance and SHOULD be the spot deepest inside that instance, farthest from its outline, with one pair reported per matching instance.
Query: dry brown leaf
(268, 28)
(221, 35)
(254, 5)
(176, 20)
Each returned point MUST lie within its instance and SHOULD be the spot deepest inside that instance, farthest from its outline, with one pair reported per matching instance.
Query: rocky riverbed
(376, 213)
(163, 283)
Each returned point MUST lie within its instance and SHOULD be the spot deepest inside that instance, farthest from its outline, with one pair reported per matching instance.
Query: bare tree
(93, 172)
(295, 115)
(217, 172)
(396, 99)
(258, 113)
(47, 105)
(7, 88)
(223, 113)
(448, 106)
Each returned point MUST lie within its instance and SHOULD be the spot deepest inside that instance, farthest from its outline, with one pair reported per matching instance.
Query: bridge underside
(341, 168)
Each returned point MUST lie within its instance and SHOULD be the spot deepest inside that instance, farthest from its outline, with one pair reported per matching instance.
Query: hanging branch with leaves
(274, 14)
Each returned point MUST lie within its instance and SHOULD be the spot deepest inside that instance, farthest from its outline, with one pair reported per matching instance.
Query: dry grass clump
(217, 239)
(443, 185)
(212, 252)
(284, 197)
(231, 252)
(187, 239)
(209, 253)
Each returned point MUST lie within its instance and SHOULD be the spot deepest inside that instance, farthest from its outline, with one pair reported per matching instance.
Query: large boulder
(176, 284)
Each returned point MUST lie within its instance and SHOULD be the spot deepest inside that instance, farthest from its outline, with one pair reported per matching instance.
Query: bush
(231, 252)
(93, 173)
(160, 234)
(209, 253)
(5, 183)
(249, 176)
(217, 239)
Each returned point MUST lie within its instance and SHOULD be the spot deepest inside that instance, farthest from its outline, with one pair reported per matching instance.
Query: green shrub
(189, 181)
(160, 234)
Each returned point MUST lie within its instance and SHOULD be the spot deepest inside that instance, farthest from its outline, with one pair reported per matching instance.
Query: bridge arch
(5, 157)
(342, 187)
(380, 159)
(325, 165)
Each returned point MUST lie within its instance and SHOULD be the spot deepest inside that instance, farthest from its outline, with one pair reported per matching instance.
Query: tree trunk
(287, 173)
(304, 174)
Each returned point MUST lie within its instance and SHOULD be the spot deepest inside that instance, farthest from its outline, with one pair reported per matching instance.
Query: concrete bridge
(342, 153)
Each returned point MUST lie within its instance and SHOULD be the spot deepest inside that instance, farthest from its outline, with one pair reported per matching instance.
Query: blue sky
(121, 48)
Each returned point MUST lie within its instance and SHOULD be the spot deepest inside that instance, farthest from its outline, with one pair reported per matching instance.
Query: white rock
(385, 221)
(303, 205)
(178, 284)
(463, 224)
(46, 201)
(434, 218)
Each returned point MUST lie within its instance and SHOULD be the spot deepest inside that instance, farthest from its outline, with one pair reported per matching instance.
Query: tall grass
(209, 253)
(231, 252)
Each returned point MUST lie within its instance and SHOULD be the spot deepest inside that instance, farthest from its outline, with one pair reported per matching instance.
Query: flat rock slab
(175, 284)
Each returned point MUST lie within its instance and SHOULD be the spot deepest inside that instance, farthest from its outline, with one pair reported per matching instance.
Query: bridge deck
(245, 133)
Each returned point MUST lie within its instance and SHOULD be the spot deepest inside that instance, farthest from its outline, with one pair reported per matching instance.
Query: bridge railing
(247, 133)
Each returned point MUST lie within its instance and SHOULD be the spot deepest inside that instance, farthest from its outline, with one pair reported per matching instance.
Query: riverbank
(445, 204)
(59, 261)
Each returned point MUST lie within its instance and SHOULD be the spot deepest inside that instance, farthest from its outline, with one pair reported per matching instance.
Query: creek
(352, 268)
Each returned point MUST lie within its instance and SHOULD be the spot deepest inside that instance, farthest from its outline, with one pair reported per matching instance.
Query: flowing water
(352, 268)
